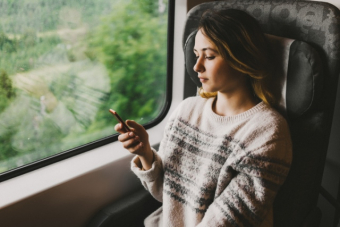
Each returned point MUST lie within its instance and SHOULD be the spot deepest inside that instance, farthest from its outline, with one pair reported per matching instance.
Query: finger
(135, 148)
(127, 136)
(134, 125)
(131, 145)
(119, 128)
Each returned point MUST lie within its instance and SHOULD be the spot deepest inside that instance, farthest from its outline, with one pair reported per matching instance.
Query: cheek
(222, 72)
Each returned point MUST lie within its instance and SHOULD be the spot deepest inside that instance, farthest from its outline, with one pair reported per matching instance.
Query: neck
(229, 104)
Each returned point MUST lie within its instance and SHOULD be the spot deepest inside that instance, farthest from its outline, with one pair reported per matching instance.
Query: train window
(63, 64)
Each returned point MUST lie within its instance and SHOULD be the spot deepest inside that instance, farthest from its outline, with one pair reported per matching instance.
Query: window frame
(112, 138)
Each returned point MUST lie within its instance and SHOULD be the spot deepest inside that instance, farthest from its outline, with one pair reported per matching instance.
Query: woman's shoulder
(189, 107)
(272, 115)
(267, 134)
(194, 99)
(194, 102)
(269, 120)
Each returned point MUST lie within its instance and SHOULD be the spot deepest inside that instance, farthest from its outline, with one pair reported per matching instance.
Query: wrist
(147, 159)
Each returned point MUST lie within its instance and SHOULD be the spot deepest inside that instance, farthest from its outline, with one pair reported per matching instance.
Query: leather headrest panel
(297, 83)
(190, 59)
(304, 79)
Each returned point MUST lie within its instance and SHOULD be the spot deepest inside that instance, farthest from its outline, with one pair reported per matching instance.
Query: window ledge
(34, 182)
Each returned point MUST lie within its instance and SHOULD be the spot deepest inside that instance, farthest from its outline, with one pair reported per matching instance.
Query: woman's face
(215, 74)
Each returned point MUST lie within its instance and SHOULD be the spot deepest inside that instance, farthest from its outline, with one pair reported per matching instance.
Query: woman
(225, 154)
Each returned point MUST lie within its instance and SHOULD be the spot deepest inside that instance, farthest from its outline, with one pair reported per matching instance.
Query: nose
(199, 67)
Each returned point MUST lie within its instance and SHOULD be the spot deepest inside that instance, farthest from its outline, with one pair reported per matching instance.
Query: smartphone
(125, 127)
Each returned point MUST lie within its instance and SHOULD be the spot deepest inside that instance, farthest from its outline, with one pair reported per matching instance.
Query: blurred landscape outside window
(63, 64)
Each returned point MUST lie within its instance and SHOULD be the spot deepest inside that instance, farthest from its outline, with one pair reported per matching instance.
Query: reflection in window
(63, 64)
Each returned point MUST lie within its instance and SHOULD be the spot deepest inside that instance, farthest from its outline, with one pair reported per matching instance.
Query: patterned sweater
(214, 170)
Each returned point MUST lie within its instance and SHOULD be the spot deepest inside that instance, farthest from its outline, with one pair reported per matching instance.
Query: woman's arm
(147, 165)
(151, 179)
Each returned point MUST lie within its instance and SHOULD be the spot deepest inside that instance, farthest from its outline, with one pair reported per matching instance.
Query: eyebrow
(207, 48)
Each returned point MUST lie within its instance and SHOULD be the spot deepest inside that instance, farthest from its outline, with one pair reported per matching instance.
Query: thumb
(134, 125)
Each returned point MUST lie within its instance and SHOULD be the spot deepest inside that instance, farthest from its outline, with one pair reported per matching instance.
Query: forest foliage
(63, 64)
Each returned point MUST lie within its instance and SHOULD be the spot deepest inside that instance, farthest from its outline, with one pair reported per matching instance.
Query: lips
(202, 79)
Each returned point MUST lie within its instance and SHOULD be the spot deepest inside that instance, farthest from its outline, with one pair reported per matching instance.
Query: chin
(209, 90)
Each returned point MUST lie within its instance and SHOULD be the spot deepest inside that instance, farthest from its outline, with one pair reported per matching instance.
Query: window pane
(63, 64)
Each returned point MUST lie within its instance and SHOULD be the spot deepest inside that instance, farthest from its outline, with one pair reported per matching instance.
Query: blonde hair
(239, 39)
(204, 94)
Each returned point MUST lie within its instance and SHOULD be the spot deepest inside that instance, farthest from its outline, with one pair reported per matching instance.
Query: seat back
(305, 37)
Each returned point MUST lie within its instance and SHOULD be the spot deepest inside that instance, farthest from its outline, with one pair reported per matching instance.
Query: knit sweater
(214, 170)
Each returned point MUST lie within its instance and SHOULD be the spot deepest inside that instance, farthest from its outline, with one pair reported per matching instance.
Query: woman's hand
(136, 142)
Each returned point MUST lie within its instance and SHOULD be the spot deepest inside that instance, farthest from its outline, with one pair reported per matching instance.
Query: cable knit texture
(216, 170)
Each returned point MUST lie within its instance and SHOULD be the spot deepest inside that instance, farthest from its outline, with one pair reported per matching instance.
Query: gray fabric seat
(311, 83)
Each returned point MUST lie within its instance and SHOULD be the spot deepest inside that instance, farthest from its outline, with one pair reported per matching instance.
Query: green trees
(131, 43)
(72, 62)
(7, 45)
(7, 92)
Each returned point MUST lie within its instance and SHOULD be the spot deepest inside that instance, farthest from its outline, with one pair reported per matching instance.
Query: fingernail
(131, 134)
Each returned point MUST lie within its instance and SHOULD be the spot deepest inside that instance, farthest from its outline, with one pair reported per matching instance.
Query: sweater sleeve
(258, 175)
(152, 179)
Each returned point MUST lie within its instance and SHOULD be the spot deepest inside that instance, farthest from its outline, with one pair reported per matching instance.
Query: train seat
(305, 38)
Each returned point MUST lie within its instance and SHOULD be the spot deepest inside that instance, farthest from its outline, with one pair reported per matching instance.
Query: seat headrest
(297, 81)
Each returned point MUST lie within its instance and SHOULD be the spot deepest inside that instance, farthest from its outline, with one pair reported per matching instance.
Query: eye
(210, 57)
(196, 57)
